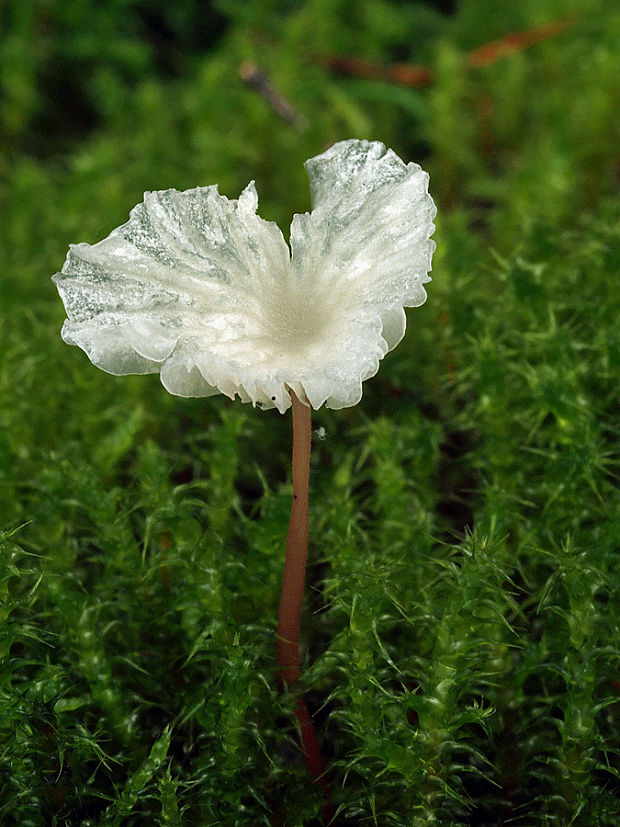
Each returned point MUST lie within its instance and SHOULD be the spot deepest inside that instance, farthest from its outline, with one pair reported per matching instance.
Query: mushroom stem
(296, 547)
(293, 584)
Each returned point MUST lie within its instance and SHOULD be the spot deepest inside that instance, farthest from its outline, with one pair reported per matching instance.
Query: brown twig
(405, 74)
(258, 80)
(513, 43)
(402, 73)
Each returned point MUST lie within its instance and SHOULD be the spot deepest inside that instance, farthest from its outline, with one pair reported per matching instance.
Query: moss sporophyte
(200, 289)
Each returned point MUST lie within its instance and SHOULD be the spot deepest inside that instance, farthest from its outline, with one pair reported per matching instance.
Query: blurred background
(119, 97)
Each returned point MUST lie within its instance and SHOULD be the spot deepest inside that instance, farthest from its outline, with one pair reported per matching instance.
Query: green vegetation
(462, 622)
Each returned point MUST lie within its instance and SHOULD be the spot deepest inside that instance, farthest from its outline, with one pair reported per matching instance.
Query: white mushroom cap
(202, 290)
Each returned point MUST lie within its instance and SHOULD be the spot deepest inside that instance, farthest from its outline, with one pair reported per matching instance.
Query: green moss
(461, 624)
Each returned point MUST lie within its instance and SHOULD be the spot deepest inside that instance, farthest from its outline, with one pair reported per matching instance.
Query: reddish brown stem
(296, 547)
(293, 589)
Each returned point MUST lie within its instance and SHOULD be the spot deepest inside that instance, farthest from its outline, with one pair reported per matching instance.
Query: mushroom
(200, 289)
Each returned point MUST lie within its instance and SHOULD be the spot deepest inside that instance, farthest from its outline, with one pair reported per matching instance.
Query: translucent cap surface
(202, 290)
